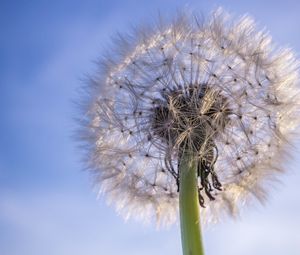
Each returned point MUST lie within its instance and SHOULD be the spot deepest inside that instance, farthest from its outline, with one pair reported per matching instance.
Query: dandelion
(193, 115)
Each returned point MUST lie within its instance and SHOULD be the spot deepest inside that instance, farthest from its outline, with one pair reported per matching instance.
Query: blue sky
(47, 205)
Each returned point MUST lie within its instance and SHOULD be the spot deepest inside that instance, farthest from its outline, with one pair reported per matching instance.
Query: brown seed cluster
(189, 119)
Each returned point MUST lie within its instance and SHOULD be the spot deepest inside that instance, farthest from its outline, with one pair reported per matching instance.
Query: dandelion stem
(189, 207)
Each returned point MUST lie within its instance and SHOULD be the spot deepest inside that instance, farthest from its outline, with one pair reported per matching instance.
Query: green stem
(189, 207)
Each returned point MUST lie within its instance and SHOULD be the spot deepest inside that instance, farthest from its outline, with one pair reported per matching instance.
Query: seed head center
(191, 118)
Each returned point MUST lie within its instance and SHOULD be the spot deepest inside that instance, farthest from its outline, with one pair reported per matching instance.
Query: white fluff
(260, 82)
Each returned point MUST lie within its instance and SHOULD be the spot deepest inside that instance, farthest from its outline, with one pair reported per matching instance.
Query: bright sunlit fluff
(219, 86)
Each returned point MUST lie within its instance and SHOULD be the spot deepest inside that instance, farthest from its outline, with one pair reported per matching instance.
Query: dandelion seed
(218, 89)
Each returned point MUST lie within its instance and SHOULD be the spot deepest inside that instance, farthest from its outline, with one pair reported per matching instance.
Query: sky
(47, 202)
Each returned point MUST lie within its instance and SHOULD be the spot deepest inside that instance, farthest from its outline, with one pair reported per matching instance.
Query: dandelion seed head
(219, 87)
